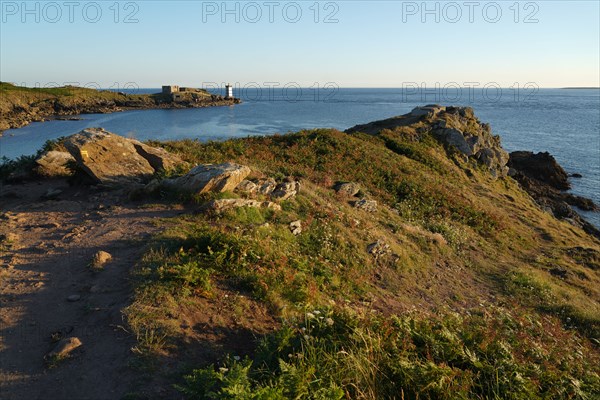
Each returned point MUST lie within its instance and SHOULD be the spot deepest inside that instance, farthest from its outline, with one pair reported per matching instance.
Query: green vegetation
(491, 353)
(475, 255)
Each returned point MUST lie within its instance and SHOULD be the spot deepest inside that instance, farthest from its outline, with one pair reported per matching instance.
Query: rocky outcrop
(54, 164)
(541, 167)
(455, 127)
(210, 178)
(458, 128)
(544, 179)
(111, 159)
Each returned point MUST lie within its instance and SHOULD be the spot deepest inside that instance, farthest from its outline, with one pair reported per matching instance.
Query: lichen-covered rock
(210, 178)
(53, 164)
(111, 159)
(107, 158)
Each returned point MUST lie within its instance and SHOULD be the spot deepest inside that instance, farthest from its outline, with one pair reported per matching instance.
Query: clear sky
(350, 43)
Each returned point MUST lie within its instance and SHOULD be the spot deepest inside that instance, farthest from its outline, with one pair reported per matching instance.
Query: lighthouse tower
(228, 91)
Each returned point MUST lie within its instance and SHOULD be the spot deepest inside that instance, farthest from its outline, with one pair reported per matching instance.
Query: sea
(563, 122)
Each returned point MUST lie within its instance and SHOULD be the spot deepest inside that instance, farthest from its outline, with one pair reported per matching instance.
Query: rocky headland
(385, 259)
(19, 106)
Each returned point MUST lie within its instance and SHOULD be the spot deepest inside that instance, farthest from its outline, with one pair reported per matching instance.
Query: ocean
(564, 122)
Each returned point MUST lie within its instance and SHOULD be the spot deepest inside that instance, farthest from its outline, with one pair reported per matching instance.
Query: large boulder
(53, 164)
(108, 158)
(111, 159)
(210, 178)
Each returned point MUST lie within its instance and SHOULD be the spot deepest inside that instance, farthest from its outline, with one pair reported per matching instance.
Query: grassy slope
(465, 304)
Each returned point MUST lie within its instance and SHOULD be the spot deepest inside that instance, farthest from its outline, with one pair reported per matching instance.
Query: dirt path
(46, 261)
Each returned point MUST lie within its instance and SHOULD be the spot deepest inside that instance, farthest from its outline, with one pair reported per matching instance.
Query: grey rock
(266, 186)
(210, 178)
(349, 189)
(286, 190)
(247, 187)
(74, 297)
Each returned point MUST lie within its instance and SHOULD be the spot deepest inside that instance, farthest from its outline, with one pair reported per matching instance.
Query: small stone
(64, 347)
(286, 190)
(296, 227)
(73, 298)
(99, 259)
(52, 193)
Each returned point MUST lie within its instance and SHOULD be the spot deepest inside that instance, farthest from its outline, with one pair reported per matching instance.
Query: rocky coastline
(21, 106)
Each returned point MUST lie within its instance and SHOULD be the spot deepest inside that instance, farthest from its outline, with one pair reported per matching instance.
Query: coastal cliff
(408, 257)
(19, 106)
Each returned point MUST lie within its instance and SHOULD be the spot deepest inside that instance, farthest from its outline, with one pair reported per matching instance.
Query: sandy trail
(52, 243)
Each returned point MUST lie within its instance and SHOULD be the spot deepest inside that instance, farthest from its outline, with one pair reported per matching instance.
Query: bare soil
(44, 258)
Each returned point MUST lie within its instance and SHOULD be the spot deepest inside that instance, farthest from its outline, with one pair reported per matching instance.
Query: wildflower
(223, 369)
(310, 315)
(329, 321)
(316, 312)
(236, 358)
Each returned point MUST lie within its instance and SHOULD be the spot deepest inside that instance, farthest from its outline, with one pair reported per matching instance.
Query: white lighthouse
(228, 91)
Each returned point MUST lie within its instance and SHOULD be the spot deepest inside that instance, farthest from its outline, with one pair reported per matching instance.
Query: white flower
(329, 321)
(316, 312)
(310, 315)
(236, 358)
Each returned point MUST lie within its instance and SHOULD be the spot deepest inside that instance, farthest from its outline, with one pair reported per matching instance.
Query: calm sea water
(564, 122)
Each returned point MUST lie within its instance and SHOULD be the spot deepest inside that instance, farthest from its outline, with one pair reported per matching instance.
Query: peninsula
(19, 106)
(412, 255)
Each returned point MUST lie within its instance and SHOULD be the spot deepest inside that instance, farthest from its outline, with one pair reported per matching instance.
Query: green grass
(490, 354)
(457, 239)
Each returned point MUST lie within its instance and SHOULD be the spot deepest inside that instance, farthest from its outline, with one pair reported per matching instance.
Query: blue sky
(372, 44)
